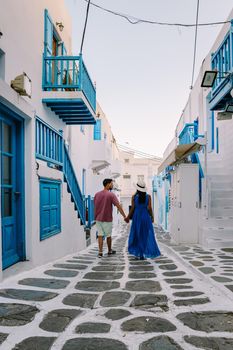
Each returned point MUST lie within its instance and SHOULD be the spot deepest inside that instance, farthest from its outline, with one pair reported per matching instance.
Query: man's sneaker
(111, 252)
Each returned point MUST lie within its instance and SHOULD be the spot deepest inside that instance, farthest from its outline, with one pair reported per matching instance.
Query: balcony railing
(222, 60)
(68, 73)
(187, 135)
(49, 143)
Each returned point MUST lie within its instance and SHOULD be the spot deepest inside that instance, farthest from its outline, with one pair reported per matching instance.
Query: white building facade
(136, 168)
(195, 180)
(47, 140)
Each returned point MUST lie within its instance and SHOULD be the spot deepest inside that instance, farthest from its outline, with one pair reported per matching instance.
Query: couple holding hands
(141, 243)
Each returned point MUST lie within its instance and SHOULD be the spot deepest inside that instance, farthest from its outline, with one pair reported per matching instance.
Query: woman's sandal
(100, 255)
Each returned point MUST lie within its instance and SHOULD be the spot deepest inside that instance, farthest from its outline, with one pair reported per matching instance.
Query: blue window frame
(50, 207)
(97, 130)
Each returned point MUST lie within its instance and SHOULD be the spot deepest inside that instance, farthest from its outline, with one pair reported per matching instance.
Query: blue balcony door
(11, 194)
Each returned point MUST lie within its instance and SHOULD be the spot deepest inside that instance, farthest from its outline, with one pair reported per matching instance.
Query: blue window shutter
(50, 208)
(48, 45)
(48, 34)
(97, 130)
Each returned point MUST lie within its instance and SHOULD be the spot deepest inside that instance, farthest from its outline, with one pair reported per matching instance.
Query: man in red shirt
(103, 202)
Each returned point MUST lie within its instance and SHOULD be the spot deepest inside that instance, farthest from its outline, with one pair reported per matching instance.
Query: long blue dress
(142, 241)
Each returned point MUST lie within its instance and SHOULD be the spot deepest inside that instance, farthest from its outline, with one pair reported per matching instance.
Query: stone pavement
(86, 303)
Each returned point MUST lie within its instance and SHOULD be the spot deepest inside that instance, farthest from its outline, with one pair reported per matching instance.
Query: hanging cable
(137, 153)
(195, 46)
(135, 20)
(85, 25)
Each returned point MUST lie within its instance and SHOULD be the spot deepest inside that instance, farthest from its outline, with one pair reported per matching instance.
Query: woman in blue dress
(142, 243)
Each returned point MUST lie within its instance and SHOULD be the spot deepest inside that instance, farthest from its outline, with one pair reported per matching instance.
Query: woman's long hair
(141, 196)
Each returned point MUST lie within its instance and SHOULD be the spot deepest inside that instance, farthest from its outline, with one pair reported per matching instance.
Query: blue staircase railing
(68, 73)
(73, 187)
(90, 215)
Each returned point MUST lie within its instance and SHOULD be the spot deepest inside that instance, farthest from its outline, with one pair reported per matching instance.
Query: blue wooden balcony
(68, 89)
(222, 61)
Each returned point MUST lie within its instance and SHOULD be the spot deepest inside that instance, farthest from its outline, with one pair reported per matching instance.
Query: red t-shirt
(103, 202)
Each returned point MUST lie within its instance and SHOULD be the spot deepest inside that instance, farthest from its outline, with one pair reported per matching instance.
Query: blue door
(11, 197)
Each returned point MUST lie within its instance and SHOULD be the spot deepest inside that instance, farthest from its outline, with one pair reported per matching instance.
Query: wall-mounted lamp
(209, 78)
(1, 33)
(229, 108)
(211, 75)
(60, 26)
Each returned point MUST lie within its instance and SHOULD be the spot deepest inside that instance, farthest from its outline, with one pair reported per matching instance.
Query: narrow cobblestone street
(82, 302)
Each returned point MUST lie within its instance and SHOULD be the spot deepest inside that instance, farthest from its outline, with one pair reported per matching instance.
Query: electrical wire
(195, 46)
(135, 20)
(85, 25)
(137, 153)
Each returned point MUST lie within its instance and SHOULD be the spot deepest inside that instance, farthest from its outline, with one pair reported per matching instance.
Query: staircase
(218, 228)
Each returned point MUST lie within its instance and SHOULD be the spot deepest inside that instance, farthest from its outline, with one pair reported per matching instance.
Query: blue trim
(52, 228)
(8, 114)
(49, 143)
(97, 130)
(217, 140)
(72, 75)
(71, 111)
(212, 127)
(222, 61)
(73, 185)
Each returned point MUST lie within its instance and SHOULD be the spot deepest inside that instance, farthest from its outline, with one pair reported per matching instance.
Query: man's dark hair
(106, 182)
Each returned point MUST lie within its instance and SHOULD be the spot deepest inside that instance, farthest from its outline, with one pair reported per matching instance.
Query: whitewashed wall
(22, 25)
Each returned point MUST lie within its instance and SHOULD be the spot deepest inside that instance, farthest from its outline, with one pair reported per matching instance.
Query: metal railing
(73, 184)
(187, 135)
(222, 60)
(90, 215)
(68, 73)
(49, 143)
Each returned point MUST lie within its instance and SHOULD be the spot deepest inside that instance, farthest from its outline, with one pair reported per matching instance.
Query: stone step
(217, 242)
(221, 185)
(221, 211)
(221, 202)
(214, 238)
(221, 178)
(221, 193)
(221, 222)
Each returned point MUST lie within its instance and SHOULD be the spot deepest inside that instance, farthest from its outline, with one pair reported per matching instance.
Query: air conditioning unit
(224, 115)
(22, 84)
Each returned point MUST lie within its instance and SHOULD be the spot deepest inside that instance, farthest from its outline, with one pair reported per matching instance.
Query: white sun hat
(141, 186)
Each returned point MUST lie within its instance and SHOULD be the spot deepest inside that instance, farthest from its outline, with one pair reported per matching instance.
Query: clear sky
(143, 72)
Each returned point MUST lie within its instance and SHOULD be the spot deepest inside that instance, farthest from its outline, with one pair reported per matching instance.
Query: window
(126, 160)
(50, 208)
(97, 130)
(126, 176)
(84, 182)
(140, 177)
